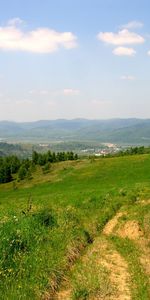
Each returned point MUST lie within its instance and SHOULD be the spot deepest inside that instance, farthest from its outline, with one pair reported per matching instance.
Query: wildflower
(9, 270)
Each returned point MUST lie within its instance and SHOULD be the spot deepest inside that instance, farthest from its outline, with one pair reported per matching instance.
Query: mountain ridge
(117, 130)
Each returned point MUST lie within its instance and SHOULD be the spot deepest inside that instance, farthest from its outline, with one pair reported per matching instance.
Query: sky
(74, 59)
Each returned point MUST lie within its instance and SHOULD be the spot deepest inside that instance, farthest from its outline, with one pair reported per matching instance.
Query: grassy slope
(69, 206)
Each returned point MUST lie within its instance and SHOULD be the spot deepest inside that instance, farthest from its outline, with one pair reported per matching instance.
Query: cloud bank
(123, 37)
(40, 40)
(124, 51)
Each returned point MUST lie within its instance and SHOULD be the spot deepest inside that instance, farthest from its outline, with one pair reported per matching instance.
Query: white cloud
(128, 77)
(71, 92)
(148, 52)
(123, 37)
(133, 25)
(40, 40)
(124, 51)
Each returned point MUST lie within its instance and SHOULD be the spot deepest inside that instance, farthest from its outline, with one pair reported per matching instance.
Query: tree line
(23, 168)
(135, 150)
(130, 151)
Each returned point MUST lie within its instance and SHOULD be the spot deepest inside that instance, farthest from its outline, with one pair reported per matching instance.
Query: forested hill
(132, 131)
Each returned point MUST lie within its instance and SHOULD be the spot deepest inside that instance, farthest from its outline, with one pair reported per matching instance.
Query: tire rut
(107, 257)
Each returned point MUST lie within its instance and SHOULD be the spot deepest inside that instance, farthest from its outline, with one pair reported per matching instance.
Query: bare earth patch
(145, 202)
(145, 260)
(119, 275)
(117, 269)
(109, 227)
(63, 295)
(102, 253)
(131, 230)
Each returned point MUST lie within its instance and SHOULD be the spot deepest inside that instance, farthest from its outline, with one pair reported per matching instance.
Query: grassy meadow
(48, 222)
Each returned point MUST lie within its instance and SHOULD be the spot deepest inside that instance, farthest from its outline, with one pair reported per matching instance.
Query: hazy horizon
(76, 119)
(74, 59)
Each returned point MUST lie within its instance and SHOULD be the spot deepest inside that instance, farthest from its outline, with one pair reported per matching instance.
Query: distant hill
(121, 131)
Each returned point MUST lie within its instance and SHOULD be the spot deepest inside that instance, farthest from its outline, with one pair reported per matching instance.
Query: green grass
(69, 207)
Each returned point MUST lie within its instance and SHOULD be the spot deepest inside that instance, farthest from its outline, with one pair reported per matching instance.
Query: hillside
(121, 131)
(80, 231)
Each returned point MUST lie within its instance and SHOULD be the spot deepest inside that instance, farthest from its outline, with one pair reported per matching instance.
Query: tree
(49, 157)
(14, 163)
(22, 172)
(76, 156)
(70, 155)
(5, 172)
(41, 159)
(35, 156)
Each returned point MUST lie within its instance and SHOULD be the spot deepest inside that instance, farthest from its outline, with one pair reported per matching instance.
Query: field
(80, 231)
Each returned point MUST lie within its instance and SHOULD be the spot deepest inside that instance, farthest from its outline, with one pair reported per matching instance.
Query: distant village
(107, 148)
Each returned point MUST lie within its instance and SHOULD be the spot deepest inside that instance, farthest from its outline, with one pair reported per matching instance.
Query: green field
(48, 223)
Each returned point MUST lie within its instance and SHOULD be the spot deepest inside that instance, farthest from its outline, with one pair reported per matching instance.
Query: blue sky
(72, 59)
